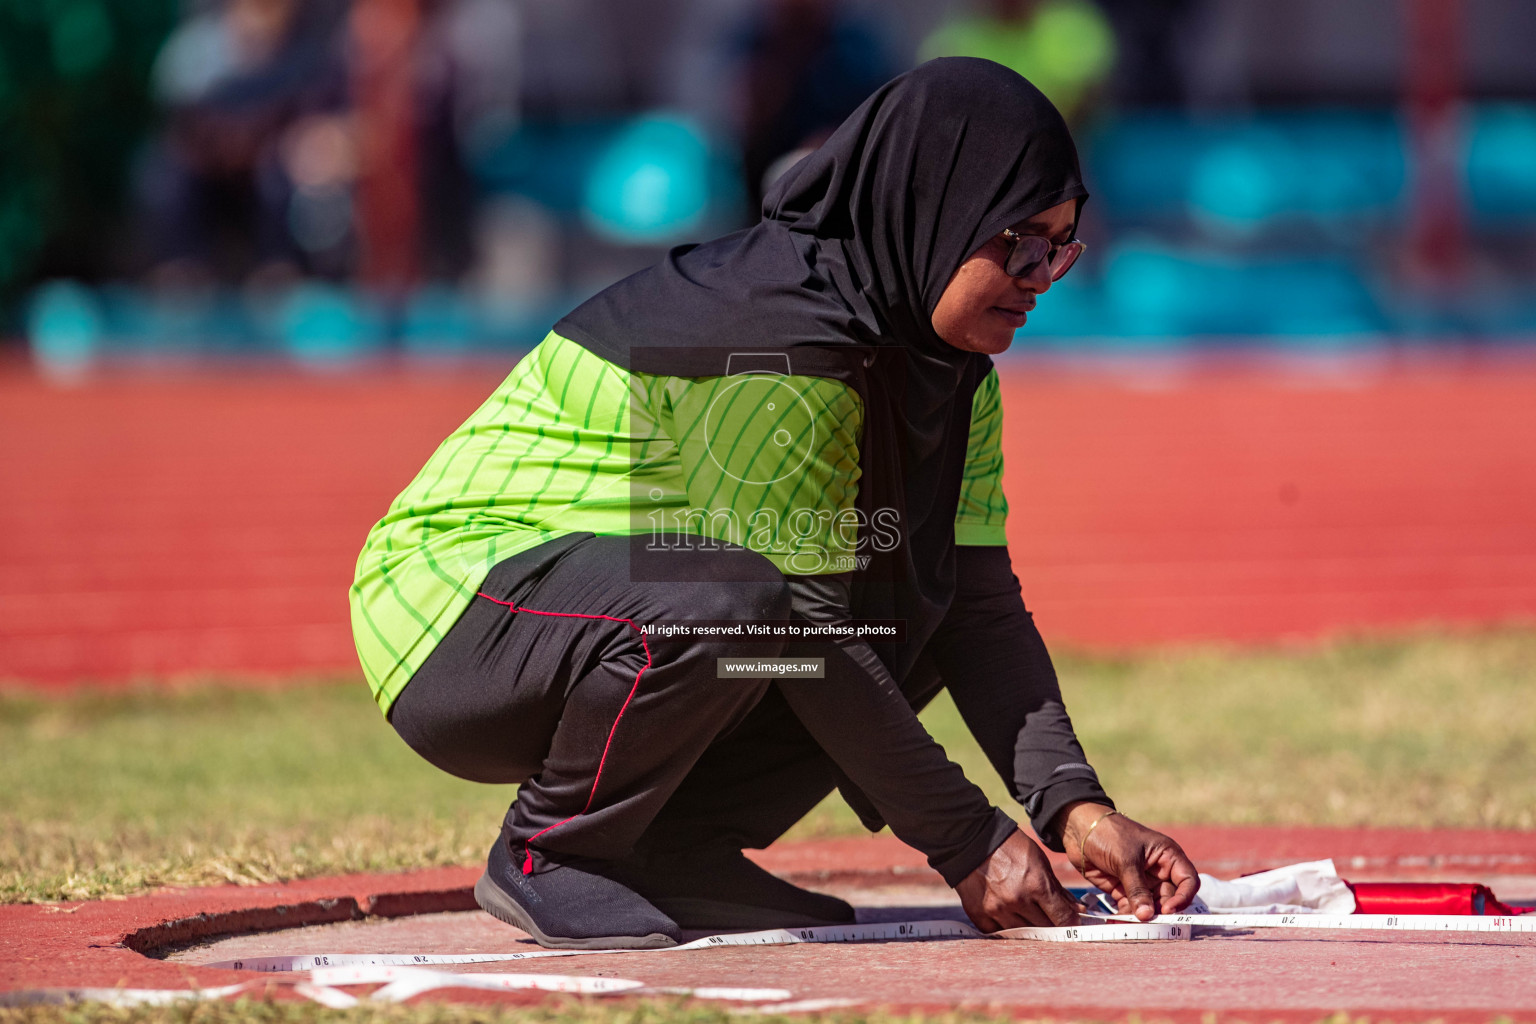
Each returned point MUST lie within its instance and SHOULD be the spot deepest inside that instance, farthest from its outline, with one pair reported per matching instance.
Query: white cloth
(1311, 888)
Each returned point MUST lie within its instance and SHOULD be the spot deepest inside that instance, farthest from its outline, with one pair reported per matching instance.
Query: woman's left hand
(1143, 871)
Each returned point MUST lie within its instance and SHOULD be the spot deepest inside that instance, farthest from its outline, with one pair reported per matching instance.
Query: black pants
(533, 696)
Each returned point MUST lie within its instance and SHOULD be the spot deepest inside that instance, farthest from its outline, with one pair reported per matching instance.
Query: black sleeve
(995, 665)
(859, 717)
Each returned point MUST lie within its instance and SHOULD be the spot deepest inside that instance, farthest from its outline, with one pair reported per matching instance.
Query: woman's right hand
(1016, 887)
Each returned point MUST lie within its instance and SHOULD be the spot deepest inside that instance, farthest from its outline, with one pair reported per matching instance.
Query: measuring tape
(405, 975)
(1525, 925)
(1094, 929)
(1103, 930)
(897, 932)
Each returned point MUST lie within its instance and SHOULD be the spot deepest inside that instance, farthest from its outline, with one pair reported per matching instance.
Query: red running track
(1297, 977)
(160, 524)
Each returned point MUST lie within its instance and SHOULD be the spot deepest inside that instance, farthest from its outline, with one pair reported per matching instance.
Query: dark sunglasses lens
(1027, 253)
(1065, 258)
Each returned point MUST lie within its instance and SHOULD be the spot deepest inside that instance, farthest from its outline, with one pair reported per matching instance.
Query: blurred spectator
(1065, 47)
(577, 60)
(469, 86)
(253, 172)
(1155, 41)
(806, 65)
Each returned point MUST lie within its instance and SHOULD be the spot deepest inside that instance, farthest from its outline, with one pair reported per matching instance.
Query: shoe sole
(507, 910)
(695, 913)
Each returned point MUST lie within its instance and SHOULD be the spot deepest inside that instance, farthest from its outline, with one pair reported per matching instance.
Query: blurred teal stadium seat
(1220, 229)
(1241, 173)
(650, 183)
(66, 327)
(1149, 290)
(437, 321)
(187, 323)
(546, 161)
(655, 178)
(324, 325)
(1501, 166)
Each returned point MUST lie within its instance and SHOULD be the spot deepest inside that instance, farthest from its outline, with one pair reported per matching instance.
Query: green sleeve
(771, 462)
(983, 510)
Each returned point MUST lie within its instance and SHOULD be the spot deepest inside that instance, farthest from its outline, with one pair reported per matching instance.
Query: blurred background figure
(469, 99)
(252, 175)
(1151, 50)
(1065, 47)
(805, 65)
(279, 114)
(446, 176)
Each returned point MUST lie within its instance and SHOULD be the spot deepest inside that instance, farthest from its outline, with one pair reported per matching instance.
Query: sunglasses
(1026, 252)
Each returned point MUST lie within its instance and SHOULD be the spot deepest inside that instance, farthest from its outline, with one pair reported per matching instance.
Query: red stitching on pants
(511, 607)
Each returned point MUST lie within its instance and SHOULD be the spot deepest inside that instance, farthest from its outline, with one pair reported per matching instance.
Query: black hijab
(841, 276)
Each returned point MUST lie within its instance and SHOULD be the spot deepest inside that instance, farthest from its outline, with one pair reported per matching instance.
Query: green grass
(107, 794)
(1428, 732)
(552, 1010)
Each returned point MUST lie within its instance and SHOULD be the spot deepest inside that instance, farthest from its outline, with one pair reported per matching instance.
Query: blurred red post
(384, 35)
(1432, 95)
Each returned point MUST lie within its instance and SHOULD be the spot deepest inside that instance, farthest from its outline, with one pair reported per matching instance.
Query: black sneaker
(569, 907)
(721, 888)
